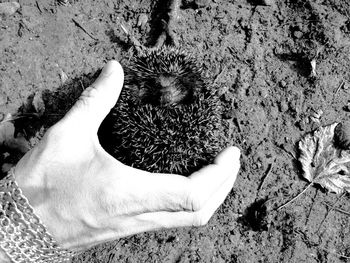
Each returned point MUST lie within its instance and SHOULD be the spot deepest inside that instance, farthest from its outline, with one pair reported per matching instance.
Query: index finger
(97, 100)
(146, 192)
(151, 221)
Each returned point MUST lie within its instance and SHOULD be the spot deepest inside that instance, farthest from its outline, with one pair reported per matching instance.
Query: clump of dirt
(283, 70)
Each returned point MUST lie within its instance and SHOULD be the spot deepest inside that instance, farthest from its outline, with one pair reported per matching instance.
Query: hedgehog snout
(167, 80)
(172, 96)
(171, 91)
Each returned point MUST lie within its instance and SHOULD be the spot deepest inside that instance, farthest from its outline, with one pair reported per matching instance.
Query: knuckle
(88, 93)
(193, 201)
(86, 96)
(194, 204)
(200, 219)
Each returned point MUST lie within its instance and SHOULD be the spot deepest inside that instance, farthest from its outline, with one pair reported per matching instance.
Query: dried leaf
(323, 163)
(7, 138)
(6, 167)
(7, 131)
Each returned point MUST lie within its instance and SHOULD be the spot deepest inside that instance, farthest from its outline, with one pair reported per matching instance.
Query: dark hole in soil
(255, 216)
(302, 62)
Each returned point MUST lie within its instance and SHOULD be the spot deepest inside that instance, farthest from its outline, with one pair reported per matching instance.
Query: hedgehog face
(164, 90)
(172, 92)
(164, 78)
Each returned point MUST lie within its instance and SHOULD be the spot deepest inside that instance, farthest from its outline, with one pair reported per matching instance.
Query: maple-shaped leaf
(323, 163)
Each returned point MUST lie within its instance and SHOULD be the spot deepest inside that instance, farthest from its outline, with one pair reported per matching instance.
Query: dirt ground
(259, 53)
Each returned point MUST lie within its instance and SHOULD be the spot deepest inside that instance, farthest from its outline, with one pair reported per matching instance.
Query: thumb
(228, 157)
(97, 100)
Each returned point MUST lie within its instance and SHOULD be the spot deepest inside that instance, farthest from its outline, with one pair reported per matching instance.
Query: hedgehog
(168, 116)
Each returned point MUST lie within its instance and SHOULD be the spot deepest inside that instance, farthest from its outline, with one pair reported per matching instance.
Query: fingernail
(234, 151)
(237, 150)
(110, 67)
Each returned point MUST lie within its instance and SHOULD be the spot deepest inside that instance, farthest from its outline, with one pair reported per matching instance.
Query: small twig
(222, 71)
(337, 209)
(236, 122)
(24, 115)
(82, 28)
(288, 152)
(265, 177)
(38, 6)
(296, 197)
(133, 41)
(82, 85)
(307, 241)
(134, 244)
(330, 210)
(333, 253)
(234, 52)
(12, 117)
(339, 87)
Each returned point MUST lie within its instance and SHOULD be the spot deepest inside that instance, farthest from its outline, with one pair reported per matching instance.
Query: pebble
(228, 114)
(63, 76)
(38, 103)
(313, 67)
(301, 124)
(283, 84)
(298, 34)
(283, 106)
(142, 20)
(346, 86)
(268, 2)
(9, 8)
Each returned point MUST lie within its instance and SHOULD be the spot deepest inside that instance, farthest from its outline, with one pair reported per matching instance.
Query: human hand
(84, 196)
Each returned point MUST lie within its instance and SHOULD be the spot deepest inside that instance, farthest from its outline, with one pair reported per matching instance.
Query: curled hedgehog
(168, 116)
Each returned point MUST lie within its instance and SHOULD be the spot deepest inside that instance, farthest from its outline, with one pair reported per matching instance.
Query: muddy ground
(260, 56)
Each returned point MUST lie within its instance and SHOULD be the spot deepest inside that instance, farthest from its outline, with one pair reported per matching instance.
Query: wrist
(23, 237)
